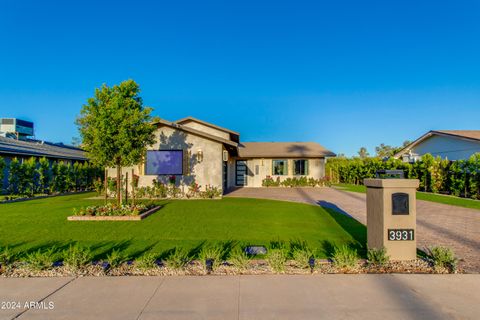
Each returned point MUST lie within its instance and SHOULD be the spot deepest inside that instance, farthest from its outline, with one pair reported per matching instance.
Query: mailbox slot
(400, 204)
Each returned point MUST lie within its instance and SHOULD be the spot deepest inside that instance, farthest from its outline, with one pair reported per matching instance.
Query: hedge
(458, 178)
(40, 176)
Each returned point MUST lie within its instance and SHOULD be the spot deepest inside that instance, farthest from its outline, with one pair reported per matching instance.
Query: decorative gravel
(195, 268)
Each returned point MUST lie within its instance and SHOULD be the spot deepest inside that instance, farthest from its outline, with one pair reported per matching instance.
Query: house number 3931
(401, 234)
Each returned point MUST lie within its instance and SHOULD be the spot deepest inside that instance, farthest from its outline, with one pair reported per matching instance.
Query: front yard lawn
(28, 226)
(439, 198)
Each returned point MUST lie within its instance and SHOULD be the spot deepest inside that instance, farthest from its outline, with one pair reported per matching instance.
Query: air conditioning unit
(225, 155)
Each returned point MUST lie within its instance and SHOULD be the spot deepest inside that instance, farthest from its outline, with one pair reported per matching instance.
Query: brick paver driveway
(437, 224)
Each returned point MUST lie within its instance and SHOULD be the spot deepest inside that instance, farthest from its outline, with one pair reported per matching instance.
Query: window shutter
(307, 163)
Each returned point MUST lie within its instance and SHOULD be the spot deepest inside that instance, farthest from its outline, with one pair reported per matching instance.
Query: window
(279, 168)
(164, 162)
(300, 167)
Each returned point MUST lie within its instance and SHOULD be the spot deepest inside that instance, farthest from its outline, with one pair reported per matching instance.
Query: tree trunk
(133, 188)
(119, 187)
(126, 187)
(105, 184)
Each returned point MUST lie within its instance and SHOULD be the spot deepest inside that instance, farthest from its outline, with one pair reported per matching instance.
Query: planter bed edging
(115, 218)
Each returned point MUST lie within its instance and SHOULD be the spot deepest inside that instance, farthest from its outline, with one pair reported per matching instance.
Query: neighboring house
(448, 144)
(11, 148)
(197, 151)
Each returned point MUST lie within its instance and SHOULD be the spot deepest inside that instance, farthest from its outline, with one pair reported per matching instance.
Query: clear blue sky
(343, 73)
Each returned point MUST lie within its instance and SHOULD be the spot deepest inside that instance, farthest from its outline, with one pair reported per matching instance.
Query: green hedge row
(459, 178)
(40, 176)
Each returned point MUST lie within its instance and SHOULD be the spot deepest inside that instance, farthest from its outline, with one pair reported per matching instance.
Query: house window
(279, 168)
(164, 162)
(300, 167)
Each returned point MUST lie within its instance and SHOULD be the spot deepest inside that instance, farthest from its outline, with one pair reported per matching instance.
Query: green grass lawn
(30, 225)
(445, 199)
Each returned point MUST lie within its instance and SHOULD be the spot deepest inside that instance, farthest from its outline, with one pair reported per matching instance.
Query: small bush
(146, 261)
(40, 260)
(302, 256)
(345, 257)
(212, 253)
(276, 259)
(115, 258)
(178, 259)
(211, 192)
(76, 257)
(239, 259)
(6, 256)
(443, 257)
(377, 257)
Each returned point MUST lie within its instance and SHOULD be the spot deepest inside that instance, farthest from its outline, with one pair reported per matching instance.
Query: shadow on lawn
(354, 228)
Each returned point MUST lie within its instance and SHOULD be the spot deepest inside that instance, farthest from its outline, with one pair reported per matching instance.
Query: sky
(345, 74)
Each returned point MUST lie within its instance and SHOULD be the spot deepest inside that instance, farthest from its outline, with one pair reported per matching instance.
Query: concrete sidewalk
(246, 297)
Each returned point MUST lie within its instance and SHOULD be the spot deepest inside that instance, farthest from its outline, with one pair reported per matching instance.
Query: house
(193, 150)
(448, 144)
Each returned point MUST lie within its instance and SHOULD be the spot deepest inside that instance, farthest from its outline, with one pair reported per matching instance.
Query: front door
(225, 176)
(241, 173)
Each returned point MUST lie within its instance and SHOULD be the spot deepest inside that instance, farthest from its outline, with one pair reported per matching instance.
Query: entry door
(241, 173)
(225, 176)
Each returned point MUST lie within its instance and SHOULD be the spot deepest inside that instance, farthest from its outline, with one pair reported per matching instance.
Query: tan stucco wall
(207, 129)
(316, 170)
(206, 172)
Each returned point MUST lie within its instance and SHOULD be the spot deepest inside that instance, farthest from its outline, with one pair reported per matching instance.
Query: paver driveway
(437, 224)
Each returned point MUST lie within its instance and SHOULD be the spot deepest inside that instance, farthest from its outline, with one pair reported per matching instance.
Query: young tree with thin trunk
(116, 128)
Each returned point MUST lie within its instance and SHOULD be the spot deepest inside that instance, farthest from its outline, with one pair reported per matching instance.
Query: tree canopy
(115, 127)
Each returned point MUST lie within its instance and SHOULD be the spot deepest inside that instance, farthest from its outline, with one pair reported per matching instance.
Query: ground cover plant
(112, 209)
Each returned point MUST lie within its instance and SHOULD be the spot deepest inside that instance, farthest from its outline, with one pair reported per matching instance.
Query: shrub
(193, 190)
(211, 192)
(345, 257)
(270, 182)
(276, 259)
(239, 259)
(377, 257)
(211, 253)
(98, 186)
(443, 257)
(302, 256)
(159, 190)
(146, 261)
(115, 258)
(40, 260)
(178, 259)
(6, 256)
(76, 257)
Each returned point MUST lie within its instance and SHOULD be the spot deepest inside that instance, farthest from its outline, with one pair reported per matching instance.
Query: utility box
(392, 217)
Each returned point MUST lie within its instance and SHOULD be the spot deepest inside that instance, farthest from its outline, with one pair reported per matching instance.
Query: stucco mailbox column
(392, 216)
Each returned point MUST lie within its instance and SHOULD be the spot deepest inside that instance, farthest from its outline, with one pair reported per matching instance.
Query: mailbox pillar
(392, 217)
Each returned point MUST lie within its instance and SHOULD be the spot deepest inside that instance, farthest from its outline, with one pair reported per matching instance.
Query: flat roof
(36, 148)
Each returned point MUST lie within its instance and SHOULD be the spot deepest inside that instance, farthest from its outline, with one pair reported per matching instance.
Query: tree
(363, 153)
(116, 128)
(44, 175)
(2, 172)
(14, 173)
(384, 151)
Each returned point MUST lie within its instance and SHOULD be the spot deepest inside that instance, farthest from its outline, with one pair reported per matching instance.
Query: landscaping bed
(112, 212)
(197, 268)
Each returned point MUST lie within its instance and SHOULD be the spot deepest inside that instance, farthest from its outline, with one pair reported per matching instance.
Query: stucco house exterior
(193, 150)
(448, 144)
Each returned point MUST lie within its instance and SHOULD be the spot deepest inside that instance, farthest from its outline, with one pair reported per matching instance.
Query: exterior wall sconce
(199, 155)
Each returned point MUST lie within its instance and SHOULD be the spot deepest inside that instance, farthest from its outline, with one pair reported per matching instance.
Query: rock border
(115, 218)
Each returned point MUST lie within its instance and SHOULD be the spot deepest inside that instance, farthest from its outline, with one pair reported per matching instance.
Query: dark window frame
(165, 174)
(285, 167)
(305, 167)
